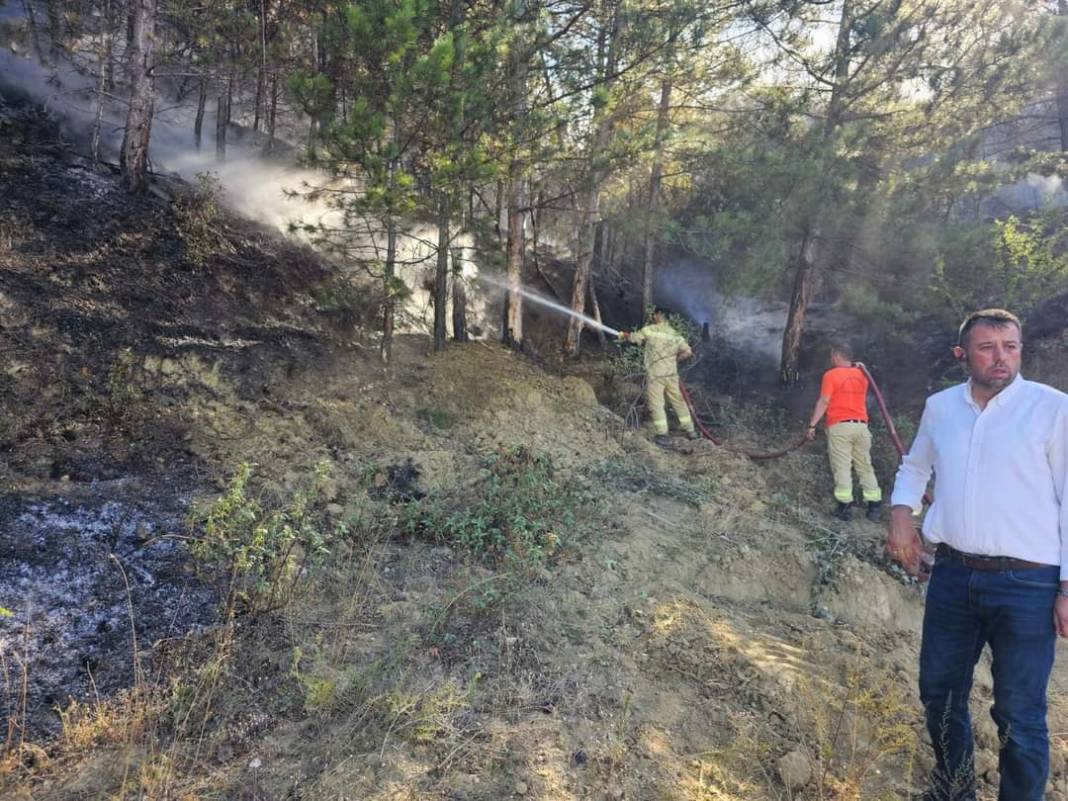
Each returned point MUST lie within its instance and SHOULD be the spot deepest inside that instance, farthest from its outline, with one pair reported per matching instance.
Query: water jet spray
(541, 300)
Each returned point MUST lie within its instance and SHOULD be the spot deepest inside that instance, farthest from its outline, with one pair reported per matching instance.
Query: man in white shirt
(998, 446)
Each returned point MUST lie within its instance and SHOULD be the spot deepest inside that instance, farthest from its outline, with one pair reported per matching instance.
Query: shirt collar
(1005, 396)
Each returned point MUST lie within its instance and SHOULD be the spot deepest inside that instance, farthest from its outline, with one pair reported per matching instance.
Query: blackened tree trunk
(198, 123)
(222, 119)
(134, 157)
(791, 338)
(105, 56)
(459, 305)
(272, 113)
(441, 275)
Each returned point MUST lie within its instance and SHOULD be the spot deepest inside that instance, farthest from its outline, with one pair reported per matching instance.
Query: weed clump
(521, 515)
(196, 211)
(634, 477)
(263, 553)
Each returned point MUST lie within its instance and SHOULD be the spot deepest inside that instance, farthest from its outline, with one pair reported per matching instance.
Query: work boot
(663, 440)
(875, 511)
(844, 511)
(692, 435)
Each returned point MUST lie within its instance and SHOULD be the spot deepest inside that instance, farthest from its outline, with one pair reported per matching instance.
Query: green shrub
(521, 516)
(264, 553)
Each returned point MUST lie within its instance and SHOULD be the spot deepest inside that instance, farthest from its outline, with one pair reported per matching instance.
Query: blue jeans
(1012, 610)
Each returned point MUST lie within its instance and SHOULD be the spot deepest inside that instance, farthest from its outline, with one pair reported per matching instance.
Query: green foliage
(633, 476)
(886, 317)
(624, 363)
(264, 554)
(1013, 263)
(196, 211)
(522, 515)
(1030, 263)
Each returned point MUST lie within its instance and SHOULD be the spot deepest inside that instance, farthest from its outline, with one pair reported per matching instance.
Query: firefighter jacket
(663, 345)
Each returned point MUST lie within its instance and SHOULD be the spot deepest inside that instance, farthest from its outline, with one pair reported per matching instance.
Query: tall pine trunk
(808, 252)
(134, 157)
(441, 275)
(653, 206)
(459, 303)
(1062, 88)
(595, 310)
(272, 113)
(105, 55)
(389, 306)
(791, 338)
(222, 120)
(513, 320)
(198, 122)
(516, 189)
(261, 71)
(591, 205)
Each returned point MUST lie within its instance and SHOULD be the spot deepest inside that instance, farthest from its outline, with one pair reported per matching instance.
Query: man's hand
(903, 543)
(810, 434)
(1060, 613)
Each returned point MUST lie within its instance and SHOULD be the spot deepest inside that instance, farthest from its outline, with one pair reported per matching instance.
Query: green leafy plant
(522, 515)
(264, 553)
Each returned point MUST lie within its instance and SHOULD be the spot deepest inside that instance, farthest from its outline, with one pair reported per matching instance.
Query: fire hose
(760, 457)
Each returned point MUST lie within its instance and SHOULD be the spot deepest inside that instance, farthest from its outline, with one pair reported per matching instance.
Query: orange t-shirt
(847, 389)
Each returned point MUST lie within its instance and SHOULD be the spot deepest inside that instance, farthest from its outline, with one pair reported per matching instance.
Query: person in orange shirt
(844, 399)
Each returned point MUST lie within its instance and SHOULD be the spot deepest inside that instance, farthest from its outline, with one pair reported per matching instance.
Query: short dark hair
(843, 349)
(995, 318)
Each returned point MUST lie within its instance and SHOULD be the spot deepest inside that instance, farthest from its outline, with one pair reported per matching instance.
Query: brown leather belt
(852, 421)
(980, 562)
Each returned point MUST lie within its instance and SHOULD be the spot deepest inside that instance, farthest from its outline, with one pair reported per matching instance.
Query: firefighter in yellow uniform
(664, 348)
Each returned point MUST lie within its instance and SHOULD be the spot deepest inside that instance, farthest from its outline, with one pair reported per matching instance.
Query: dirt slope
(693, 627)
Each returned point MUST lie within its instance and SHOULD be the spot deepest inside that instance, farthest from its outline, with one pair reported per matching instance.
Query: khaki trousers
(655, 391)
(849, 448)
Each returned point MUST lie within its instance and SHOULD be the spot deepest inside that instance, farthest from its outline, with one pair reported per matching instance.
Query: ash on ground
(81, 575)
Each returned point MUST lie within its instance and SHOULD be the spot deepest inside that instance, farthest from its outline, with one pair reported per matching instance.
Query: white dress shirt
(1001, 473)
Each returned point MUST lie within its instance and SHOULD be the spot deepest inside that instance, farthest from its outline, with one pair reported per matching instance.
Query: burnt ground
(101, 306)
(88, 576)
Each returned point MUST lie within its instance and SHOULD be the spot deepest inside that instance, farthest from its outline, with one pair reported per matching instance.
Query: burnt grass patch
(91, 582)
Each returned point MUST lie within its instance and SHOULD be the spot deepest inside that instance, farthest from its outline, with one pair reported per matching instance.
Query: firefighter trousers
(657, 389)
(849, 448)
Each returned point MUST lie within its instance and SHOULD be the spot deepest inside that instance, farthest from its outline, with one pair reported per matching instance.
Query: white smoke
(270, 191)
(746, 323)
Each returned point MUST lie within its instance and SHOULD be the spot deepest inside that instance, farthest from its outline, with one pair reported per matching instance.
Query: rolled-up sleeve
(915, 470)
(1058, 463)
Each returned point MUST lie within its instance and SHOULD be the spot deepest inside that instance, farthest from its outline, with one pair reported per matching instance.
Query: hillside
(460, 578)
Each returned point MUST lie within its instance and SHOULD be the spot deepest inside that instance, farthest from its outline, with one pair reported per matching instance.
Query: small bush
(265, 553)
(196, 210)
(522, 515)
